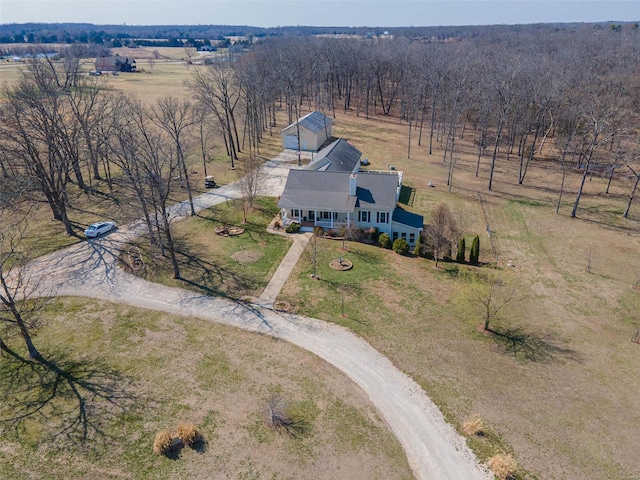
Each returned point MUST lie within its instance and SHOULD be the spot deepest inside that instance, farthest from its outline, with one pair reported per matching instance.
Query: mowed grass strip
(181, 370)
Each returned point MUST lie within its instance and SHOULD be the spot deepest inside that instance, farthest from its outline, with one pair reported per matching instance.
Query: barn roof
(314, 121)
(339, 156)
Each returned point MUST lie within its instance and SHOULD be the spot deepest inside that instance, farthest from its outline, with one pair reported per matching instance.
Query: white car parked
(99, 228)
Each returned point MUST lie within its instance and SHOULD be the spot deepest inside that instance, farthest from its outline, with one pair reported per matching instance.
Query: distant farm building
(115, 64)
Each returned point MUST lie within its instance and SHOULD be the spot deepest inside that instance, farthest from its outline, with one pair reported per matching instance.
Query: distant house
(339, 156)
(332, 199)
(115, 64)
(314, 129)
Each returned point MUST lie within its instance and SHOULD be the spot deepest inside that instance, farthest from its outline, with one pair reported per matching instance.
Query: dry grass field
(221, 379)
(565, 399)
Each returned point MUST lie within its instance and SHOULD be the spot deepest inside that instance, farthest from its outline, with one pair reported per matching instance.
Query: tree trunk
(495, 151)
(633, 191)
(584, 178)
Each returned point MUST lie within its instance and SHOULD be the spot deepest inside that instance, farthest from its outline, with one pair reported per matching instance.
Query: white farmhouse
(334, 199)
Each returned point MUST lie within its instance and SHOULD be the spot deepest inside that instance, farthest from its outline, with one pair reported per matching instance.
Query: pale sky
(270, 13)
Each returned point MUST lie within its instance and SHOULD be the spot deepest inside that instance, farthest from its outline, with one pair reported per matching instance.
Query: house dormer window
(383, 217)
(364, 216)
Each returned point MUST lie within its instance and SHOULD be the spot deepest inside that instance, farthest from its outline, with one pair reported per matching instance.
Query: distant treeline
(197, 35)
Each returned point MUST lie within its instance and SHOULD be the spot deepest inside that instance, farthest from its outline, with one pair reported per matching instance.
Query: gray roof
(377, 190)
(314, 121)
(408, 218)
(339, 156)
(310, 189)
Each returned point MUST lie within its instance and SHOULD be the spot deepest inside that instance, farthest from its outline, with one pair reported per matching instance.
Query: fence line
(486, 222)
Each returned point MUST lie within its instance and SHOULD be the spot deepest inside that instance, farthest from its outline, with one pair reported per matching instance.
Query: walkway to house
(300, 241)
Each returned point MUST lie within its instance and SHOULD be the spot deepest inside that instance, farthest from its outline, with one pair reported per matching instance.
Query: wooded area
(568, 98)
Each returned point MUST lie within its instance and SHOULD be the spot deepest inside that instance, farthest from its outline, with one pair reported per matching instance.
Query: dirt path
(434, 449)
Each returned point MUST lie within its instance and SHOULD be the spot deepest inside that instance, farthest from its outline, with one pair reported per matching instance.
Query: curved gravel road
(435, 451)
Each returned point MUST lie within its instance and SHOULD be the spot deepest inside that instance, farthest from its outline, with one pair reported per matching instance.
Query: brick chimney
(352, 184)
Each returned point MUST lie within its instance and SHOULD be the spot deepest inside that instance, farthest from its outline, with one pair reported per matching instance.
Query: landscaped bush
(417, 250)
(474, 253)
(474, 426)
(293, 227)
(318, 231)
(384, 241)
(461, 251)
(401, 246)
(189, 434)
(372, 234)
(163, 443)
(446, 256)
(503, 466)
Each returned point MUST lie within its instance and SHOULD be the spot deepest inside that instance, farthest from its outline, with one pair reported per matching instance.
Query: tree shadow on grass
(200, 445)
(213, 279)
(365, 257)
(65, 399)
(531, 346)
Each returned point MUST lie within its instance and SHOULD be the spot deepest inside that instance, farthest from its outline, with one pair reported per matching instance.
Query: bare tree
(66, 398)
(600, 125)
(203, 134)
(633, 191)
(219, 91)
(251, 182)
(441, 230)
(16, 285)
(175, 117)
(41, 136)
(490, 296)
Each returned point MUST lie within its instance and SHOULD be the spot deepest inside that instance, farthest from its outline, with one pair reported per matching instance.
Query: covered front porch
(315, 218)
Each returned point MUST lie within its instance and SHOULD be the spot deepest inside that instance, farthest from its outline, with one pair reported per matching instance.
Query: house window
(383, 217)
(312, 215)
(395, 236)
(404, 236)
(412, 238)
(364, 216)
(295, 212)
(325, 215)
(335, 215)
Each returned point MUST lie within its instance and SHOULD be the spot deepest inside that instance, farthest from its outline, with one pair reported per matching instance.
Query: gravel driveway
(434, 449)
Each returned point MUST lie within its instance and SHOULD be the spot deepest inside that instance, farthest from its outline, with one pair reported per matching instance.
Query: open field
(217, 377)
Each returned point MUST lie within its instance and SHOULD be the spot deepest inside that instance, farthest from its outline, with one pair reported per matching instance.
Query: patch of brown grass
(503, 466)
(189, 434)
(163, 443)
(474, 426)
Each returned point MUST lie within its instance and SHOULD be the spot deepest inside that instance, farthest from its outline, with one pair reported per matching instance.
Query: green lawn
(234, 266)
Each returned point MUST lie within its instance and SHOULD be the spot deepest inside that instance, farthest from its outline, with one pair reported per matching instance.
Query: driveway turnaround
(435, 451)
